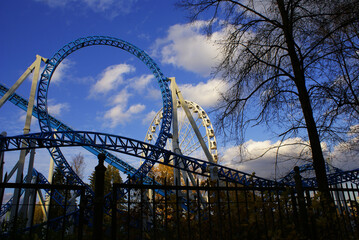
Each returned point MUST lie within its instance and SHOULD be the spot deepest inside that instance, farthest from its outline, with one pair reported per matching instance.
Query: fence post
(99, 198)
(303, 216)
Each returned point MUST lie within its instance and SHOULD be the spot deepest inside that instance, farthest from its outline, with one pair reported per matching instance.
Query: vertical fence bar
(64, 212)
(264, 213)
(114, 212)
(255, 212)
(219, 214)
(2, 190)
(166, 213)
(303, 216)
(209, 210)
(188, 200)
(154, 210)
(49, 212)
(356, 212)
(278, 200)
(238, 211)
(33, 202)
(128, 212)
(199, 210)
(311, 217)
(141, 212)
(349, 212)
(341, 215)
(177, 209)
(17, 201)
(81, 214)
(229, 212)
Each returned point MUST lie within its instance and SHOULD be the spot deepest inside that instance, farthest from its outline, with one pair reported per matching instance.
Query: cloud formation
(110, 8)
(120, 115)
(264, 158)
(111, 78)
(58, 108)
(187, 47)
(205, 94)
(110, 81)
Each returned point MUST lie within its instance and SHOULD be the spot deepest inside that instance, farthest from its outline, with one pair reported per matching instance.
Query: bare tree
(78, 165)
(283, 65)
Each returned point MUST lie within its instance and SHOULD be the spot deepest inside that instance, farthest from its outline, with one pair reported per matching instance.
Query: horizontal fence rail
(63, 221)
(208, 210)
(228, 211)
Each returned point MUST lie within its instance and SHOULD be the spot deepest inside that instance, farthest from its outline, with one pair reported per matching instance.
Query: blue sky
(106, 89)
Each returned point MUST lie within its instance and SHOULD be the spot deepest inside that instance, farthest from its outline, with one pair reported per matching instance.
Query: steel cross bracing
(144, 150)
(335, 176)
(41, 179)
(45, 120)
(58, 125)
(132, 147)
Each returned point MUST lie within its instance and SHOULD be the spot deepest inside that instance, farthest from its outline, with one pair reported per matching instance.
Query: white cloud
(58, 109)
(34, 122)
(111, 8)
(205, 94)
(118, 115)
(263, 158)
(148, 118)
(142, 82)
(121, 98)
(61, 71)
(111, 78)
(56, 3)
(186, 47)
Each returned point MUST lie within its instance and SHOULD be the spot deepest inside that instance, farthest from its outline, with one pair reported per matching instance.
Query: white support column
(20, 80)
(42, 203)
(48, 197)
(30, 107)
(175, 89)
(175, 141)
(29, 193)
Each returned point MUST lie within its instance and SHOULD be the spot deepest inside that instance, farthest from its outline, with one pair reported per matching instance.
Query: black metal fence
(230, 211)
(65, 218)
(210, 210)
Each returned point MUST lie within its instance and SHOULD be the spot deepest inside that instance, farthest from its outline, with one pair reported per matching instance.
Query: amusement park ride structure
(170, 140)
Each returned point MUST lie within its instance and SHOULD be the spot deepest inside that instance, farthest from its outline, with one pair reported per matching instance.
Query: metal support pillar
(48, 197)
(2, 159)
(177, 93)
(17, 84)
(29, 193)
(36, 66)
(175, 141)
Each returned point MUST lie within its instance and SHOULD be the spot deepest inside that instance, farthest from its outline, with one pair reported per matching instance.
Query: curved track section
(335, 175)
(60, 126)
(131, 147)
(44, 118)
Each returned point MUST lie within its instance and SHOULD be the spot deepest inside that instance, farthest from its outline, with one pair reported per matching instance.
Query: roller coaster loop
(45, 119)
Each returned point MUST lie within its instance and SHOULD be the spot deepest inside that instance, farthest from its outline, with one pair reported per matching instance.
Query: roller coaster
(55, 134)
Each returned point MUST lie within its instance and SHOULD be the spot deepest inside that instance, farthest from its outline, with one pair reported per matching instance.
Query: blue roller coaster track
(45, 121)
(147, 151)
(99, 142)
(132, 147)
(41, 179)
